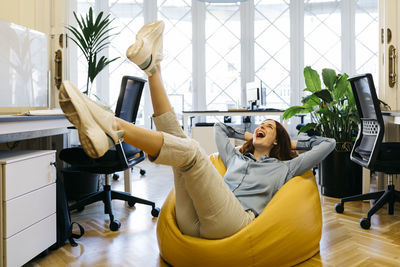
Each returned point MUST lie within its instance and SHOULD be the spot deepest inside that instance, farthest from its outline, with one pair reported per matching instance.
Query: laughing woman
(206, 205)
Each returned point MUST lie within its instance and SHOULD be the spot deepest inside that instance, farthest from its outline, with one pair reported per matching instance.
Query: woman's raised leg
(165, 120)
(204, 204)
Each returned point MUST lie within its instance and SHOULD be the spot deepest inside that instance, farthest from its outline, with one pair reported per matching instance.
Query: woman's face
(264, 136)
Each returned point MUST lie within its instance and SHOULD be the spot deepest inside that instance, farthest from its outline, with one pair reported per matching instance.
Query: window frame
(247, 73)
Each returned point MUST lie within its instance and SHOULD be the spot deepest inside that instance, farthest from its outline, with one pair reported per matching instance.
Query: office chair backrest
(371, 129)
(127, 109)
(129, 98)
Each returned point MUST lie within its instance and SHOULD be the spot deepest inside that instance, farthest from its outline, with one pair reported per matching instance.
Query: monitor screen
(252, 92)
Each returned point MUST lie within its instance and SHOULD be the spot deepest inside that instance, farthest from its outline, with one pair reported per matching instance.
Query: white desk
(17, 128)
(392, 116)
(191, 114)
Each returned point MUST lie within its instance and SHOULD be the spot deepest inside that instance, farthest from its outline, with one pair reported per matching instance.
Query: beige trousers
(205, 207)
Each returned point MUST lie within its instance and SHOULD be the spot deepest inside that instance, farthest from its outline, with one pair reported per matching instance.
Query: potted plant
(91, 36)
(333, 114)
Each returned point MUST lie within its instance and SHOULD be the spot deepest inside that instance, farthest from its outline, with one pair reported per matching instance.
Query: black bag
(64, 224)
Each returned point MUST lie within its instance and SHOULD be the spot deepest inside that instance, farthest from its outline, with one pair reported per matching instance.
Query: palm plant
(333, 109)
(91, 38)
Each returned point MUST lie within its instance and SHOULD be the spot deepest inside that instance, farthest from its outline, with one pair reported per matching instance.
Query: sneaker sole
(147, 61)
(93, 139)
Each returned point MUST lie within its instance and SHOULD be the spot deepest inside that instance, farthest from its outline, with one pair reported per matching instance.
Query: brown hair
(282, 151)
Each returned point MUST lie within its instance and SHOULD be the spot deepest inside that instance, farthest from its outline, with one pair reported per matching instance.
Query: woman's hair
(282, 151)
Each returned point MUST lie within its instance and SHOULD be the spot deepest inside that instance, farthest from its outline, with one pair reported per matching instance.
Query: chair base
(107, 195)
(389, 196)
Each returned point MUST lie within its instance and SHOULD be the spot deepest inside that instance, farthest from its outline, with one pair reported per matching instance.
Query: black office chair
(121, 157)
(369, 151)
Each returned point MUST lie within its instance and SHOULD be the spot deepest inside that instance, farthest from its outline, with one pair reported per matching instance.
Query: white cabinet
(28, 210)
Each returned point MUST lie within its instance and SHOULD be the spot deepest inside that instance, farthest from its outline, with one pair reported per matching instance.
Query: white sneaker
(146, 52)
(94, 141)
(104, 118)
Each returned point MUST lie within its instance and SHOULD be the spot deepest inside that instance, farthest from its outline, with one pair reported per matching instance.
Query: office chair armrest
(121, 154)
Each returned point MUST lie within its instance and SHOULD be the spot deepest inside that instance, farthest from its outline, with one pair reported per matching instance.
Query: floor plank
(343, 242)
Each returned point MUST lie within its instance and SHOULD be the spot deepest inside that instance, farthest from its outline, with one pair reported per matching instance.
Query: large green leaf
(310, 101)
(329, 78)
(311, 77)
(290, 112)
(342, 86)
(325, 95)
(307, 127)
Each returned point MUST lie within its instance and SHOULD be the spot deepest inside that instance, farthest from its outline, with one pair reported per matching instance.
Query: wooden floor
(343, 242)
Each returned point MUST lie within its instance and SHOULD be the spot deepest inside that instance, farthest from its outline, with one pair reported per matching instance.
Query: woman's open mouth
(260, 134)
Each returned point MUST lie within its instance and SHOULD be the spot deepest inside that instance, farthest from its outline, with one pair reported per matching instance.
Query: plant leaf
(310, 100)
(307, 127)
(77, 20)
(290, 112)
(342, 87)
(329, 78)
(325, 95)
(80, 38)
(313, 82)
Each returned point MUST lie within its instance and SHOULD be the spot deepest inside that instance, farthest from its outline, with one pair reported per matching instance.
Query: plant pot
(78, 184)
(340, 177)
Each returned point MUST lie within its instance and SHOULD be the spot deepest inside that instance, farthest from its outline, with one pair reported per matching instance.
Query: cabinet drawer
(28, 209)
(29, 174)
(25, 245)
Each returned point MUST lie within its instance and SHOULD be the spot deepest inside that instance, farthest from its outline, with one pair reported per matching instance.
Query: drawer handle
(53, 164)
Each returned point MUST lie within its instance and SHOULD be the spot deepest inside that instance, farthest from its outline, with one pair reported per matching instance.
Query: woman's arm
(318, 148)
(222, 133)
(294, 144)
(248, 136)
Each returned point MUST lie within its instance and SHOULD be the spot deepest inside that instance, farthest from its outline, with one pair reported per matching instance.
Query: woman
(206, 205)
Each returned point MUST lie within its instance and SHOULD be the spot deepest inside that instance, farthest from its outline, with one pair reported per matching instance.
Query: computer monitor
(253, 95)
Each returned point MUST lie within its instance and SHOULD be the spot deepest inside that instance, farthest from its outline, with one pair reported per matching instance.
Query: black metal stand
(389, 196)
(107, 195)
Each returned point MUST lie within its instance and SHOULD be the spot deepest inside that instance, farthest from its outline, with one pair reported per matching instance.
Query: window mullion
(296, 50)
(247, 46)
(348, 36)
(150, 10)
(102, 79)
(199, 54)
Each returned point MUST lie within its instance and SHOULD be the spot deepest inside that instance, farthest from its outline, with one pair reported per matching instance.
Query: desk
(192, 114)
(18, 128)
(391, 116)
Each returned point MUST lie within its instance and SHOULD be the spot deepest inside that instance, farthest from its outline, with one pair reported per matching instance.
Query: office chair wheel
(155, 212)
(365, 223)
(115, 176)
(131, 203)
(115, 225)
(142, 172)
(339, 208)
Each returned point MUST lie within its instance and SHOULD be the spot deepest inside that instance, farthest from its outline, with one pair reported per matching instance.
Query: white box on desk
(205, 136)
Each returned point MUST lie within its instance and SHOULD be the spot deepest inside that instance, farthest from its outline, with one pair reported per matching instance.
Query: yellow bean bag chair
(286, 233)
